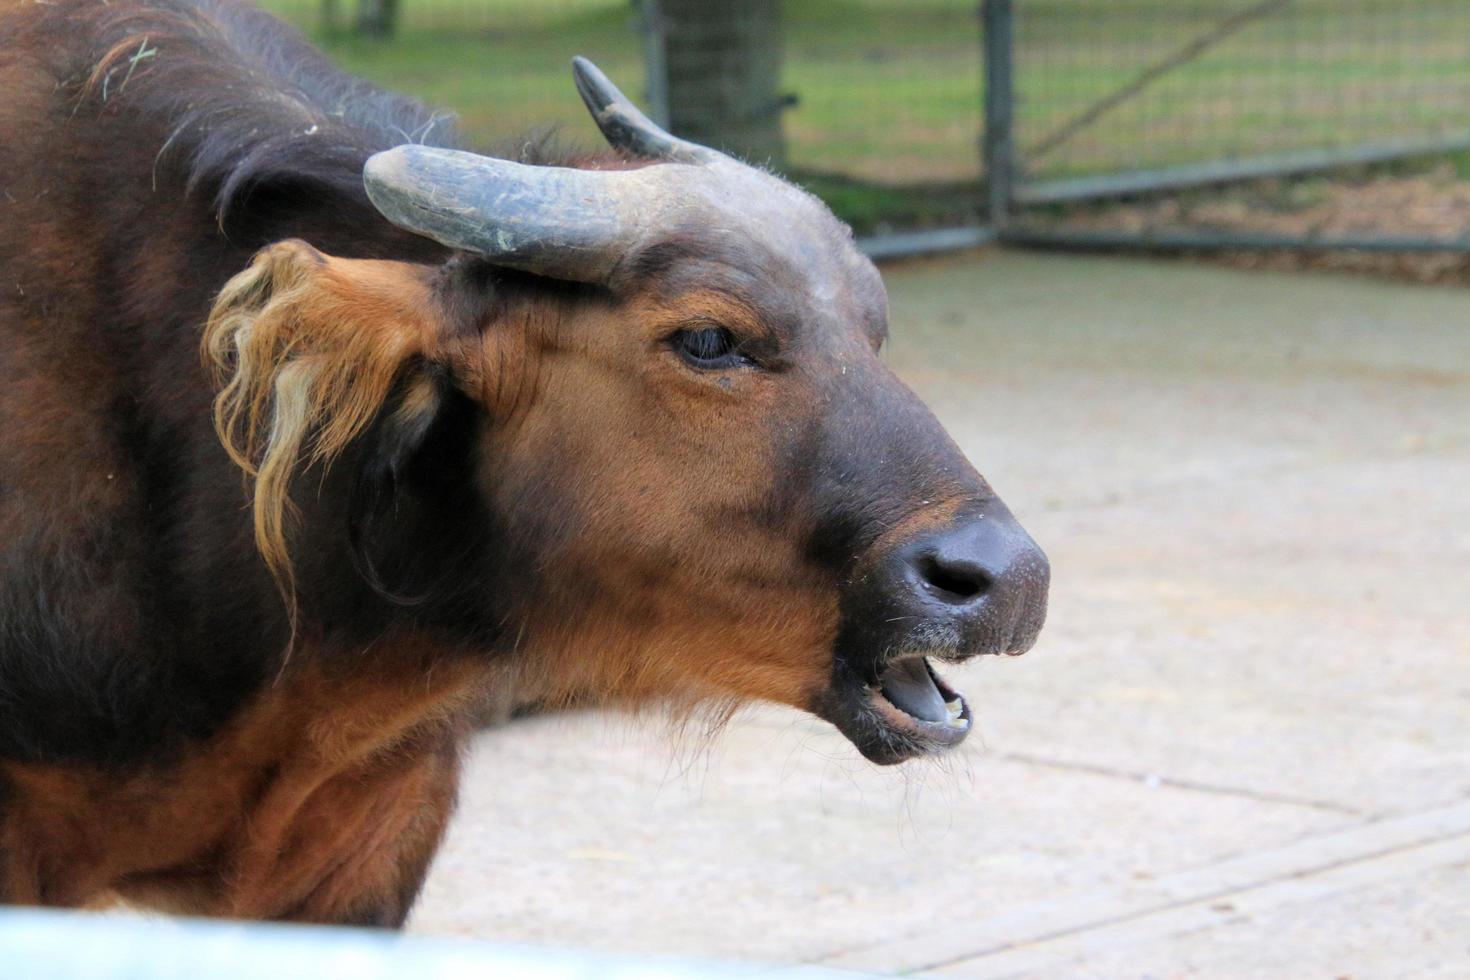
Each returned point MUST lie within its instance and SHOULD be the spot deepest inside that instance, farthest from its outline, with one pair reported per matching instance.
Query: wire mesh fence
(1146, 84)
(883, 103)
(883, 115)
(888, 91)
(1140, 96)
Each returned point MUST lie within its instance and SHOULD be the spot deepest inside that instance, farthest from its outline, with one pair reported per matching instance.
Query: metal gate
(1089, 101)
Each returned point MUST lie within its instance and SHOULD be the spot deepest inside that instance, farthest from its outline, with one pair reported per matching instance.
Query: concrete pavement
(1241, 748)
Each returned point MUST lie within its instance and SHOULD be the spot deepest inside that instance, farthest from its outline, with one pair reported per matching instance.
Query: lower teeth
(956, 710)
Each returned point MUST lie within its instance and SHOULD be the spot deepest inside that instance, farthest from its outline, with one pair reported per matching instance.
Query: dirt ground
(1431, 204)
(1241, 748)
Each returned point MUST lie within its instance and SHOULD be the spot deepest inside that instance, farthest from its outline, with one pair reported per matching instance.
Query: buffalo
(315, 427)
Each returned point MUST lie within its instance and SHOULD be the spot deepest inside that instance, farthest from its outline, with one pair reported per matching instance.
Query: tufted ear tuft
(312, 353)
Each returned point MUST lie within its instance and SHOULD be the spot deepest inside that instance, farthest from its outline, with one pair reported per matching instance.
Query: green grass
(504, 75)
(890, 90)
(893, 89)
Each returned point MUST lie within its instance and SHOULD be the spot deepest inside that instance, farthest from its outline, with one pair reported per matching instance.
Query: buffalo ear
(389, 450)
(322, 359)
(413, 511)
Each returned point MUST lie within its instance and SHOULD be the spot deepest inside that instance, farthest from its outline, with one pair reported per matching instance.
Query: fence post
(998, 30)
(650, 28)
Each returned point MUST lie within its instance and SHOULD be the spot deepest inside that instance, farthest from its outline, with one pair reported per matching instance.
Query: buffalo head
(691, 474)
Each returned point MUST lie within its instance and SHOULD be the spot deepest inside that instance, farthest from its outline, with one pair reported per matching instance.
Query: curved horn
(551, 221)
(624, 126)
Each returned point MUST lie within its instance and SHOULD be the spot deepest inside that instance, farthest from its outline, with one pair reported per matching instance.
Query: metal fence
(1155, 100)
(885, 113)
(1033, 116)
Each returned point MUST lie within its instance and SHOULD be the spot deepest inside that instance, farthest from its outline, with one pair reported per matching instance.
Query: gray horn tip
(583, 68)
(384, 164)
(623, 125)
(389, 176)
(383, 170)
(595, 88)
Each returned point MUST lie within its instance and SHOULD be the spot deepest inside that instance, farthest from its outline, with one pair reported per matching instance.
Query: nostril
(951, 581)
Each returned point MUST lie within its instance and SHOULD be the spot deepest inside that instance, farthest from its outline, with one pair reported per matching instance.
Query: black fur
(135, 614)
(250, 103)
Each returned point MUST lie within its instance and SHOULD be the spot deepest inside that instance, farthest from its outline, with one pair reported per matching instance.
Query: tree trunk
(377, 18)
(723, 64)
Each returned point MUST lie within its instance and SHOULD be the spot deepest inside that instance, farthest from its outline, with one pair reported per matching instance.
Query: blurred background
(1241, 747)
(1300, 124)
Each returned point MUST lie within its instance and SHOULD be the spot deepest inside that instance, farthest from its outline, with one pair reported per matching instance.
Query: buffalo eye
(709, 348)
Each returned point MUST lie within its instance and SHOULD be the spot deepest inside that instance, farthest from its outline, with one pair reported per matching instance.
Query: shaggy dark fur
(146, 150)
(248, 104)
(285, 489)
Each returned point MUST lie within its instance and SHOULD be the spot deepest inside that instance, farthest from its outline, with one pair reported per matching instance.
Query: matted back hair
(245, 98)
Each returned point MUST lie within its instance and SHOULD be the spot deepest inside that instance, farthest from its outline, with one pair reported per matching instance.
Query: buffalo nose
(983, 577)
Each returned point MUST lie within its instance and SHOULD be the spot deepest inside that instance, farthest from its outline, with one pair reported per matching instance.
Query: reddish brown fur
(306, 351)
(456, 476)
(324, 801)
(327, 338)
(321, 796)
(257, 818)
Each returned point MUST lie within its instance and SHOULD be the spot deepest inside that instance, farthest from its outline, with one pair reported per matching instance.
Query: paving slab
(1410, 924)
(1241, 747)
(781, 845)
(1058, 934)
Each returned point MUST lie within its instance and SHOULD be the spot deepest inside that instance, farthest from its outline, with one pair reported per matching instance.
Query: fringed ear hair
(309, 349)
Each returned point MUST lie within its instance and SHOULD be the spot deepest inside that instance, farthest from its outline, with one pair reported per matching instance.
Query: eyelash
(709, 348)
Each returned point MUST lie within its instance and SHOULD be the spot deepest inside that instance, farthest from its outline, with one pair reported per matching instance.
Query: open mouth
(906, 711)
(912, 697)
